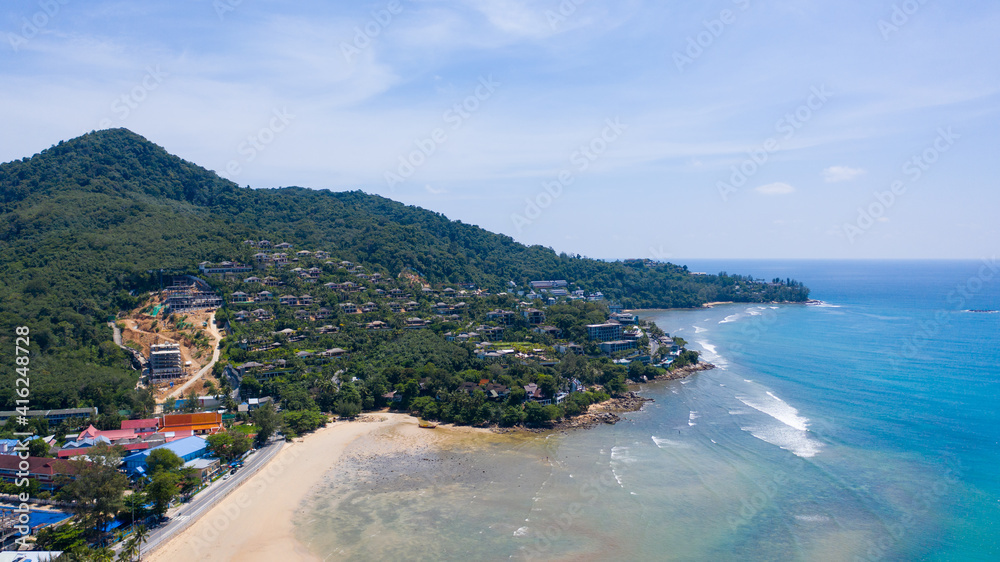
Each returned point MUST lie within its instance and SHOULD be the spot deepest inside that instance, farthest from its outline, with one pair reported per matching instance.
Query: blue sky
(719, 129)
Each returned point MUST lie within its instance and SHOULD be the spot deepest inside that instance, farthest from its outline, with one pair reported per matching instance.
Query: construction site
(176, 345)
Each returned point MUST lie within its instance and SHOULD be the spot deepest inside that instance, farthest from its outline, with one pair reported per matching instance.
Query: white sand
(255, 521)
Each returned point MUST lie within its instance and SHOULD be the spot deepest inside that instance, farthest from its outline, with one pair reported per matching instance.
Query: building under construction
(189, 293)
(165, 362)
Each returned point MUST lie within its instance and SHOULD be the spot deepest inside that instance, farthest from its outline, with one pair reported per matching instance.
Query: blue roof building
(7, 446)
(188, 448)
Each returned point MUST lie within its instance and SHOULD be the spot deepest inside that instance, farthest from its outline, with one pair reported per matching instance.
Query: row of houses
(483, 333)
(52, 416)
(351, 308)
(279, 367)
(135, 435)
(258, 315)
(181, 433)
(532, 316)
(283, 258)
(265, 281)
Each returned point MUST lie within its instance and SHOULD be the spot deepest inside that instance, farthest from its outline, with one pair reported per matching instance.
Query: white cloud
(841, 173)
(778, 188)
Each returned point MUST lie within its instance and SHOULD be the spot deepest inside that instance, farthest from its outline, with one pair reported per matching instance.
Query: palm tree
(132, 549)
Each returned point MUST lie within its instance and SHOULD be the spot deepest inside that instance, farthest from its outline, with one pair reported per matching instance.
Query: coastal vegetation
(91, 225)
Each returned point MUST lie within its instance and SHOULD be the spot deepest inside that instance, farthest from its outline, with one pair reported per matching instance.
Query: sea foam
(793, 433)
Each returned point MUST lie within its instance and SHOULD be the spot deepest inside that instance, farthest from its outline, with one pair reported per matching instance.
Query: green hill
(86, 224)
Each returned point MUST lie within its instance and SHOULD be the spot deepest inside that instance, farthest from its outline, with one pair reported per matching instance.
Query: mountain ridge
(86, 224)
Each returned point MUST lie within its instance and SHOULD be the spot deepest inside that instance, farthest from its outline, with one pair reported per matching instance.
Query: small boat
(427, 425)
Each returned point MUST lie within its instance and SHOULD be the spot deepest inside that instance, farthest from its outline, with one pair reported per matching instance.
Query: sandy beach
(255, 522)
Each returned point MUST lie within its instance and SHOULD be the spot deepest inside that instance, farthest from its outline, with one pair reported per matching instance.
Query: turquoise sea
(863, 428)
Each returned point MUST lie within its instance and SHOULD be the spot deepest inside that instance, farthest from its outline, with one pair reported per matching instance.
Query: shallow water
(833, 432)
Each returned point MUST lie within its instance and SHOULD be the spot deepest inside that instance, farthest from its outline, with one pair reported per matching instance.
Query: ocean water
(864, 428)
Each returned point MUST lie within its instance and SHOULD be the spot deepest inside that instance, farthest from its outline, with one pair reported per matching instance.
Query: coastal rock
(607, 412)
(685, 371)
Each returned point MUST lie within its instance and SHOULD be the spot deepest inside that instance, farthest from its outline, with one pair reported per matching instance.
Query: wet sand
(256, 521)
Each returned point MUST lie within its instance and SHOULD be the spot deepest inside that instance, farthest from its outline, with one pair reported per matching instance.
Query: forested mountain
(92, 219)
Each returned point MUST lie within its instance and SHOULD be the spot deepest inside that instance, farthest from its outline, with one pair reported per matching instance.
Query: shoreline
(711, 304)
(254, 523)
(702, 306)
(607, 412)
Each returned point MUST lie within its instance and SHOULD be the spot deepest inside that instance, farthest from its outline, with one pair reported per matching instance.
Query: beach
(255, 522)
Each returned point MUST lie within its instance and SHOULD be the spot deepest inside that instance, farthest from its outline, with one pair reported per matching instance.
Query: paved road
(188, 513)
(118, 333)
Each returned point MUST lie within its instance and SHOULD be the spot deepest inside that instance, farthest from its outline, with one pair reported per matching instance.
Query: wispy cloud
(778, 188)
(841, 173)
(565, 67)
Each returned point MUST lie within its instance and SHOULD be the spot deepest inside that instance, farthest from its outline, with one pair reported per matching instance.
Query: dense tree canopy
(90, 225)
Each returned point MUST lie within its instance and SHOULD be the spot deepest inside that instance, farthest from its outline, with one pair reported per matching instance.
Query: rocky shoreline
(607, 412)
(684, 372)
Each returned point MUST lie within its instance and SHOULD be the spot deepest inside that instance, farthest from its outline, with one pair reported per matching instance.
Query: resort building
(43, 470)
(548, 284)
(501, 316)
(223, 268)
(604, 332)
(625, 318)
(615, 346)
(53, 416)
(534, 316)
(187, 449)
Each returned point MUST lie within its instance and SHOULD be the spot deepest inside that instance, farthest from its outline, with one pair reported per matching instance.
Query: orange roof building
(204, 423)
